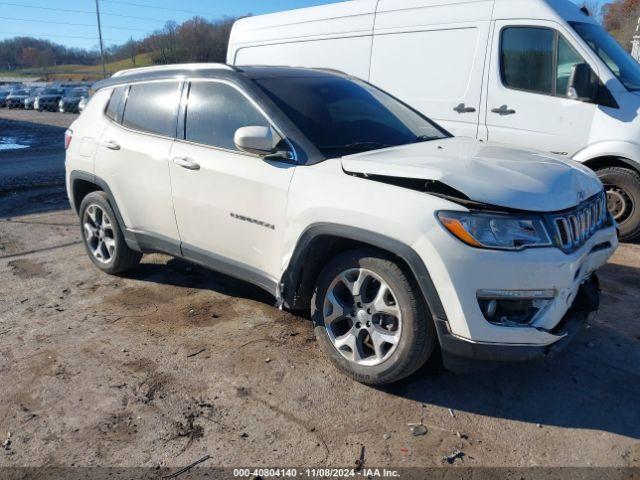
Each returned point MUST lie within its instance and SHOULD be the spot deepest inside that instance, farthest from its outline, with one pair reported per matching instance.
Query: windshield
(623, 66)
(20, 92)
(342, 116)
(78, 92)
(53, 91)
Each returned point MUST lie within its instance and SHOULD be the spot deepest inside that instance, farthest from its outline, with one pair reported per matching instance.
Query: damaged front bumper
(456, 350)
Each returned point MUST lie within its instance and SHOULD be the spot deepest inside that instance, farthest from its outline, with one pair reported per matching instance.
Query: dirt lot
(172, 362)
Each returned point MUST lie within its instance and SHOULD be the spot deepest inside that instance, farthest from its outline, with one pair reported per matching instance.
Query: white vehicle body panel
(214, 205)
(531, 180)
(142, 184)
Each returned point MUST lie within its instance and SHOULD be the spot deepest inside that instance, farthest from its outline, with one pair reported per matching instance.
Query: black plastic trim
(152, 243)
(230, 267)
(293, 276)
(455, 349)
(129, 237)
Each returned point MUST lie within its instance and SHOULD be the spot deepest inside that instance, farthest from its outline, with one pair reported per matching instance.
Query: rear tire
(387, 321)
(102, 237)
(623, 199)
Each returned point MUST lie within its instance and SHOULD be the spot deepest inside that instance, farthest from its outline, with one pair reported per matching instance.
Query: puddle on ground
(11, 143)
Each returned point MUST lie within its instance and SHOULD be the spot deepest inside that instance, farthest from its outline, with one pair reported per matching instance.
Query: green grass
(78, 72)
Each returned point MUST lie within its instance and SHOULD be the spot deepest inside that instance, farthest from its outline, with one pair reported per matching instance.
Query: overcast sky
(73, 23)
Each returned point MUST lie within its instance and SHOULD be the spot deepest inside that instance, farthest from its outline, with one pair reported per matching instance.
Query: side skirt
(151, 243)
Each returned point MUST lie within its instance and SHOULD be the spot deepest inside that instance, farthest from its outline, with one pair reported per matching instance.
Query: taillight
(68, 135)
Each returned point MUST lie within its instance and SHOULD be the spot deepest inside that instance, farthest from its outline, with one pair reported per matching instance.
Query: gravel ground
(172, 362)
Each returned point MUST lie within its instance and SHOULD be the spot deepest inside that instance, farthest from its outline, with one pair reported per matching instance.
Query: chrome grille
(575, 227)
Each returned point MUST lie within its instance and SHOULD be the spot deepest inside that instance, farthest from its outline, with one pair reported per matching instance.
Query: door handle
(504, 110)
(187, 163)
(462, 108)
(111, 145)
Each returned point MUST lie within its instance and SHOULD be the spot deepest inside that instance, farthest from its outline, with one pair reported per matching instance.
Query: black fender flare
(293, 274)
(129, 237)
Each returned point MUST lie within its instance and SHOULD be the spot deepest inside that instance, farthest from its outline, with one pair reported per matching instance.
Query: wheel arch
(322, 241)
(598, 163)
(83, 183)
(610, 154)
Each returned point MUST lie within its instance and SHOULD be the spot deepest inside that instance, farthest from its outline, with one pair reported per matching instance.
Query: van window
(567, 59)
(526, 59)
(152, 107)
(215, 111)
(114, 107)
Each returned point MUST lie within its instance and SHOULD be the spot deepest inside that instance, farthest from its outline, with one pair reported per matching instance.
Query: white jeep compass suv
(336, 197)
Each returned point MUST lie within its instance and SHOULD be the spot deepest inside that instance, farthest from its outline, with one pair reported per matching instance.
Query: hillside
(93, 72)
(79, 72)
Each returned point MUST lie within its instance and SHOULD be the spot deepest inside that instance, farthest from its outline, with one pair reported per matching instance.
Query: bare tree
(595, 8)
(620, 18)
(131, 48)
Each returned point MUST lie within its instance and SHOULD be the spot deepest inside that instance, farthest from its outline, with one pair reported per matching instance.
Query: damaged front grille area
(574, 227)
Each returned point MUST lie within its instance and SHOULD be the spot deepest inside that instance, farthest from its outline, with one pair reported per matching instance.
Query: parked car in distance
(3, 97)
(16, 98)
(48, 99)
(71, 101)
(82, 103)
(30, 100)
(535, 73)
(335, 197)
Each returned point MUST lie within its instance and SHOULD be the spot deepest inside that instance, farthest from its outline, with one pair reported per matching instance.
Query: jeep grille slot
(575, 227)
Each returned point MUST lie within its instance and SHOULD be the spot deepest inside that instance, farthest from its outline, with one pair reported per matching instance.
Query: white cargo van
(536, 73)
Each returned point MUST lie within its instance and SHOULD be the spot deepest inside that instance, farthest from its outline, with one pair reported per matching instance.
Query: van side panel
(348, 20)
(555, 10)
(349, 55)
(431, 55)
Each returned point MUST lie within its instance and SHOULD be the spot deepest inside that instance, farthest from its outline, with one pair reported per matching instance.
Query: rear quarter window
(153, 108)
(114, 107)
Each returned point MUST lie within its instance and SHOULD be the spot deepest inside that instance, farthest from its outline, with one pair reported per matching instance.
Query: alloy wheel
(99, 234)
(362, 317)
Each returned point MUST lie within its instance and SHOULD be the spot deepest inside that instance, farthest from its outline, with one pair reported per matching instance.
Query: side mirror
(581, 83)
(256, 140)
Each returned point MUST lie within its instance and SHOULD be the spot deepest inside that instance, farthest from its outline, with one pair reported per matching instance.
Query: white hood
(486, 172)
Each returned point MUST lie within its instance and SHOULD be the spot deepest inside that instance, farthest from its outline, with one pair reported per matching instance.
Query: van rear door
(432, 57)
(527, 101)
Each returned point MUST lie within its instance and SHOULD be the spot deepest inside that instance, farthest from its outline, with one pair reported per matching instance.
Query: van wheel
(369, 318)
(623, 199)
(103, 239)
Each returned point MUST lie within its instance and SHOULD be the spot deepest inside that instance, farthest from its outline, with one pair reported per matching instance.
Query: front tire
(623, 199)
(103, 240)
(370, 319)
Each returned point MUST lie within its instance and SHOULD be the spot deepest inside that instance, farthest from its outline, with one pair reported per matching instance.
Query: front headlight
(496, 230)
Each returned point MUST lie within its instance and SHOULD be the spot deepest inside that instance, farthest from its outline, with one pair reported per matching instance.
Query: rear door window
(152, 107)
(215, 111)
